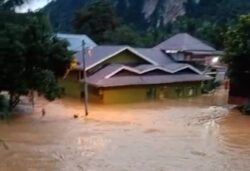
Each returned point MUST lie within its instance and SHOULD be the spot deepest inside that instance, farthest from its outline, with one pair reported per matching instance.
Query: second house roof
(184, 42)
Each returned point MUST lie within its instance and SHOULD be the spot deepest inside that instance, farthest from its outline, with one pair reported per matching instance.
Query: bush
(245, 109)
(210, 86)
(4, 107)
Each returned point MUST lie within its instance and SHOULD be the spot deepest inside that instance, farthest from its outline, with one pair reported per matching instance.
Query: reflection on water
(190, 134)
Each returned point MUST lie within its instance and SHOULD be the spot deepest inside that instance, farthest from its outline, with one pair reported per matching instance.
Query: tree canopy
(237, 49)
(95, 19)
(31, 59)
(205, 19)
(100, 21)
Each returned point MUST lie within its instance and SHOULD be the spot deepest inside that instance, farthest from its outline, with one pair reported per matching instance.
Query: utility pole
(85, 80)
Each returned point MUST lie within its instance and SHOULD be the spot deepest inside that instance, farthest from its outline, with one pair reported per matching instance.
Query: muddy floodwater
(198, 134)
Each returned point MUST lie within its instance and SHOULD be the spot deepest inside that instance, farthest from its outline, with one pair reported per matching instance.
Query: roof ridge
(184, 41)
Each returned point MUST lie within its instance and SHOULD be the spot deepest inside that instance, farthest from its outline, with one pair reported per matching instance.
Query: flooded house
(185, 48)
(123, 74)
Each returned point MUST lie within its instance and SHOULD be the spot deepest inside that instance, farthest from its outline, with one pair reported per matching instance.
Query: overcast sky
(32, 5)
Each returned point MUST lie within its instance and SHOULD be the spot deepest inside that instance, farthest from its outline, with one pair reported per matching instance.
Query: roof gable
(101, 54)
(113, 69)
(184, 42)
(155, 54)
(108, 76)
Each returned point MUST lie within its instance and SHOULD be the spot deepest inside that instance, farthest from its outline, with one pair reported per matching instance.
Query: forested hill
(217, 10)
(206, 19)
(209, 19)
(152, 13)
(142, 12)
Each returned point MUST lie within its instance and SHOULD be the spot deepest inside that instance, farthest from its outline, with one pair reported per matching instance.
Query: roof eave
(206, 78)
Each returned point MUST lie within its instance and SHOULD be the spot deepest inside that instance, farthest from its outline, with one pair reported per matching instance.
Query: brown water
(191, 134)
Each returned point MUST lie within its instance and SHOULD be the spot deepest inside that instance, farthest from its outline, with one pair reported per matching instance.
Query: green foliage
(205, 19)
(95, 19)
(99, 20)
(31, 59)
(123, 35)
(237, 56)
(209, 31)
(61, 13)
(218, 11)
(11, 17)
(154, 36)
(209, 86)
(46, 84)
(4, 108)
(209, 20)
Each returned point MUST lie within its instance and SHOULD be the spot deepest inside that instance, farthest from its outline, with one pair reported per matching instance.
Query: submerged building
(123, 74)
(183, 47)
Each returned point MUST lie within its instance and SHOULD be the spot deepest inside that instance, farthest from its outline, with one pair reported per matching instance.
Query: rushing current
(197, 134)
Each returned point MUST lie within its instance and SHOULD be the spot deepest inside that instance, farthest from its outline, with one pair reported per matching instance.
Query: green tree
(154, 36)
(95, 19)
(11, 17)
(212, 33)
(237, 56)
(123, 35)
(31, 59)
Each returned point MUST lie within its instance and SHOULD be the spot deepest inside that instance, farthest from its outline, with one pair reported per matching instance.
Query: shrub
(245, 109)
(4, 107)
(210, 86)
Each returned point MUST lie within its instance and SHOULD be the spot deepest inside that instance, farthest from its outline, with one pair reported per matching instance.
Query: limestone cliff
(152, 12)
(142, 12)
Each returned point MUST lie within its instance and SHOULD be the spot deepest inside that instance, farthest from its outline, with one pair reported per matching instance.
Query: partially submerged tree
(237, 49)
(31, 59)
